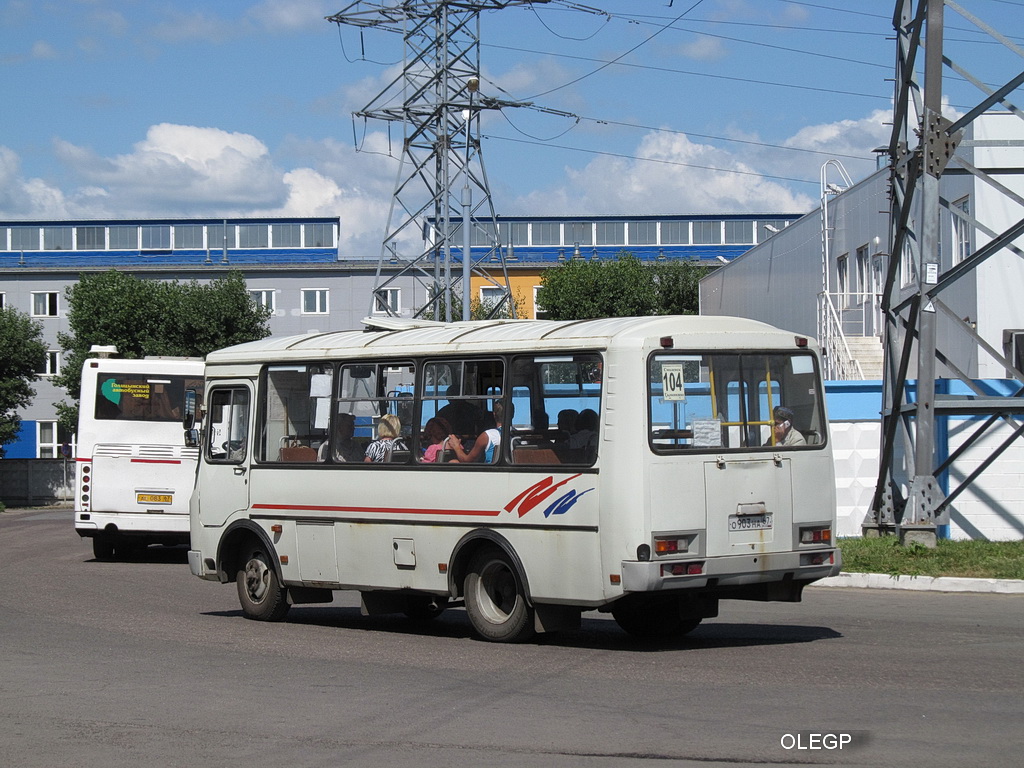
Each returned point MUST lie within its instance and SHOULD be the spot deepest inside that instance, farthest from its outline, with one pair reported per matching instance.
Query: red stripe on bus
(379, 510)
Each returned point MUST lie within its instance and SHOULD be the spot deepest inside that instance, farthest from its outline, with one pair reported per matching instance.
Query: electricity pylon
(924, 332)
(441, 207)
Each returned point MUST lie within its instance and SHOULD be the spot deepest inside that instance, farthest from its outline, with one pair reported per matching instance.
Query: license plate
(154, 498)
(750, 522)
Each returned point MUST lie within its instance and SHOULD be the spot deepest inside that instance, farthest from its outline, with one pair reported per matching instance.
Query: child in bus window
(435, 435)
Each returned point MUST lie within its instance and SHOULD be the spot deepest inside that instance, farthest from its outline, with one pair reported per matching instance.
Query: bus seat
(297, 453)
(534, 456)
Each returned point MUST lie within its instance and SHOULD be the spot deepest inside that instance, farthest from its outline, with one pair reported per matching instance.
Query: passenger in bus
(567, 423)
(348, 449)
(435, 435)
(487, 445)
(783, 432)
(585, 436)
(389, 440)
(464, 416)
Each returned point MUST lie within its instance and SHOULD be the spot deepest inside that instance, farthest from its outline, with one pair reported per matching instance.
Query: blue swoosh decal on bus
(564, 503)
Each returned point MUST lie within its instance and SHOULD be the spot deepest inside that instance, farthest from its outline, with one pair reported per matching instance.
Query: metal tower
(909, 497)
(441, 205)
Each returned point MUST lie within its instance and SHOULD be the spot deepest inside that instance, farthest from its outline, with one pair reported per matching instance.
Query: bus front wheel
(496, 600)
(259, 591)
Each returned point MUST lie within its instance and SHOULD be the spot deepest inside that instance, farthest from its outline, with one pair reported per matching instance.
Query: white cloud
(43, 50)
(703, 48)
(290, 15)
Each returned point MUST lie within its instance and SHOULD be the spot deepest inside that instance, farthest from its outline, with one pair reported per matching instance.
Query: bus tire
(495, 598)
(653, 617)
(259, 591)
(103, 547)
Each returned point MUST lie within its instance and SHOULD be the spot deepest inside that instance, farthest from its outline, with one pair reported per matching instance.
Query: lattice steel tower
(923, 328)
(441, 205)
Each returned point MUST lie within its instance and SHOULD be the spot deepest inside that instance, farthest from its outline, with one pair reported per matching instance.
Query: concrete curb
(923, 583)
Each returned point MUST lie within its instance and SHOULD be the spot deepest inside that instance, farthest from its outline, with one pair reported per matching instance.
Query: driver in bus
(783, 432)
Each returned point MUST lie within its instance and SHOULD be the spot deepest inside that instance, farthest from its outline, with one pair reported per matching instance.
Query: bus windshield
(733, 400)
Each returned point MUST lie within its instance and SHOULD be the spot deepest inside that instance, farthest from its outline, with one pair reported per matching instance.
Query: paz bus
(134, 477)
(637, 471)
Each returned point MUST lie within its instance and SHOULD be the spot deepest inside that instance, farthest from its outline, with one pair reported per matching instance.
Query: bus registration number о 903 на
(154, 498)
(762, 522)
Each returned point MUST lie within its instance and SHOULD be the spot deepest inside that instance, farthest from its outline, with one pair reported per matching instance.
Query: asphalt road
(141, 664)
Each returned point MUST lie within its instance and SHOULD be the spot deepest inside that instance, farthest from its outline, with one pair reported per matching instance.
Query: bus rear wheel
(495, 599)
(103, 547)
(259, 591)
(653, 617)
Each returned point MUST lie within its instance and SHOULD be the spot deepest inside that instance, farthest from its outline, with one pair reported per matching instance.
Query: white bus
(638, 471)
(134, 478)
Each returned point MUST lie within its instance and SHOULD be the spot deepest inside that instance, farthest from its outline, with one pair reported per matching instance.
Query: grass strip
(969, 559)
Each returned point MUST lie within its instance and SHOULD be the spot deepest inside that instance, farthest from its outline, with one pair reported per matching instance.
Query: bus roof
(408, 337)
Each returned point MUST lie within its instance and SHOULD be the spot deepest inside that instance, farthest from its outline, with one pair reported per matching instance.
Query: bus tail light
(682, 569)
(671, 546)
(818, 535)
(818, 558)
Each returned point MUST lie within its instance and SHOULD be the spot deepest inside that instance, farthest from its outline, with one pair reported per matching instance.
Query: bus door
(226, 453)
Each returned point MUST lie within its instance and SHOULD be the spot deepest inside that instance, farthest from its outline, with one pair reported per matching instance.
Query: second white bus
(640, 471)
(134, 477)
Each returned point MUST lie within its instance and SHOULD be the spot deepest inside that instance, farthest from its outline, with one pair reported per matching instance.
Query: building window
(863, 287)
(390, 302)
(707, 232)
(675, 232)
(3, 300)
(515, 233)
(24, 238)
(319, 235)
(547, 233)
(188, 236)
(51, 364)
(216, 238)
(44, 304)
(739, 232)
(314, 301)
(643, 232)
(90, 239)
(908, 267)
(483, 234)
(252, 236)
(49, 438)
(843, 279)
(490, 295)
(57, 238)
(961, 230)
(581, 232)
(539, 313)
(156, 237)
(124, 238)
(287, 235)
(263, 297)
(4, 232)
(611, 233)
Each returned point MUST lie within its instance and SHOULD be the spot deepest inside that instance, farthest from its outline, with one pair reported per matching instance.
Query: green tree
(150, 317)
(624, 287)
(24, 354)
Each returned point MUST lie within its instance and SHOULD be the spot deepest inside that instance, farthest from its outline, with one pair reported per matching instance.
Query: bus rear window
(138, 397)
(733, 400)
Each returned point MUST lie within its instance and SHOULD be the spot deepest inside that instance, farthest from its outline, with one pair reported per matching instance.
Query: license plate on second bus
(762, 522)
(154, 498)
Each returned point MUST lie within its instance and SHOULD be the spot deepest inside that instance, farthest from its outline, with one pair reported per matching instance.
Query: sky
(145, 108)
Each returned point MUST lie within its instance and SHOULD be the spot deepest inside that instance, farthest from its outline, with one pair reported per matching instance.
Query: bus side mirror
(188, 420)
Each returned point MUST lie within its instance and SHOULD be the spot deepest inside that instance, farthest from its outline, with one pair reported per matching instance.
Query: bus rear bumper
(737, 571)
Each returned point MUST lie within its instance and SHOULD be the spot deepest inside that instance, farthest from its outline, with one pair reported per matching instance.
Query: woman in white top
(487, 445)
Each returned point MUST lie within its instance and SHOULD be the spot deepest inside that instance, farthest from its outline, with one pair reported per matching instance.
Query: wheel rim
(257, 579)
(497, 592)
